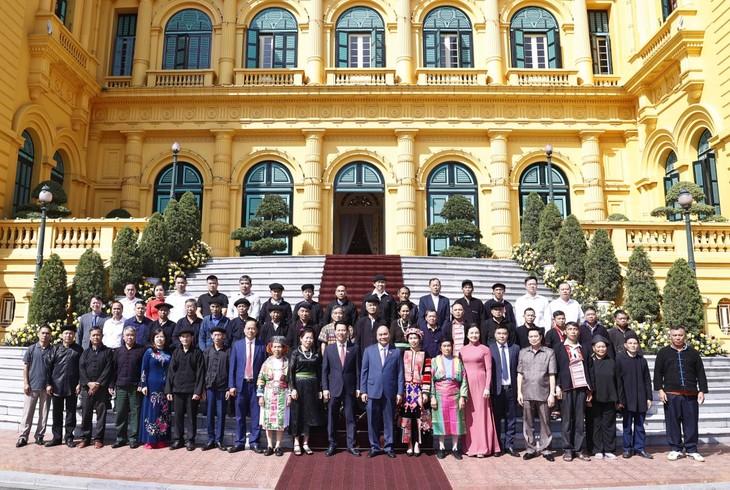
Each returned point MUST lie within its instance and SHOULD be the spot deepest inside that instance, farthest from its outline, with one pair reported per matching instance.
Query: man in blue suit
(340, 373)
(434, 301)
(381, 387)
(504, 387)
(247, 356)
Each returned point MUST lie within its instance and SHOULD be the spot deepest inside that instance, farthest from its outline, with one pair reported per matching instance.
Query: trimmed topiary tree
(570, 249)
(463, 235)
(183, 225)
(530, 229)
(120, 213)
(682, 305)
(154, 247)
(269, 231)
(641, 292)
(703, 211)
(89, 280)
(50, 295)
(55, 208)
(550, 222)
(602, 270)
(126, 265)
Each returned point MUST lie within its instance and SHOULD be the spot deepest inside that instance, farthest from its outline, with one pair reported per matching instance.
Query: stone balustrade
(282, 76)
(360, 76)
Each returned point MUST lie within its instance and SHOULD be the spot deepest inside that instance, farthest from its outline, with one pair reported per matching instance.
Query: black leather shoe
(54, 442)
(269, 451)
(236, 448)
(133, 445)
(278, 451)
(354, 452)
(176, 445)
(257, 450)
(209, 446)
(529, 456)
(644, 454)
(39, 441)
(372, 453)
(549, 457)
(498, 454)
(330, 451)
(441, 453)
(627, 454)
(221, 446)
(70, 443)
(190, 446)
(21, 442)
(390, 454)
(456, 454)
(117, 445)
(513, 452)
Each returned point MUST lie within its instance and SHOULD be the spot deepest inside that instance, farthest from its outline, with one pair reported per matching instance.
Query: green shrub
(118, 213)
(617, 217)
(269, 231)
(570, 249)
(641, 296)
(530, 230)
(550, 222)
(154, 247)
(183, 225)
(602, 270)
(126, 265)
(463, 235)
(89, 280)
(50, 294)
(682, 304)
(55, 209)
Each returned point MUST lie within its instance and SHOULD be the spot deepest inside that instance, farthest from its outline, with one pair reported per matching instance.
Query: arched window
(446, 180)
(267, 178)
(24, 172)
(360, 39)
(447, 39)
(359, 177)
(57, 171)
(535, 179)
(535, 39)
(187, 179)
(271, 40)
(705, 170)
(187, 41)
(671, 177)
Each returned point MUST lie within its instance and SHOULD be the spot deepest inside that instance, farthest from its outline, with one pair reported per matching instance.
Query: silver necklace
(305, 355)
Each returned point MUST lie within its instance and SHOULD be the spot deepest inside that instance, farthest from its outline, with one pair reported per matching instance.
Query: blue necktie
(505, 369)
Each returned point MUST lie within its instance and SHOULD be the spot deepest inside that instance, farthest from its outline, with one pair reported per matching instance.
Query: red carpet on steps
(356, 272)
(343, 471)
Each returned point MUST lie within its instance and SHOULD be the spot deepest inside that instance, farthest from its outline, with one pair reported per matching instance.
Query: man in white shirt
(245, 283)
(539, 304)
(129, 300)
(114, 327)
(178, 297)
(566, 304)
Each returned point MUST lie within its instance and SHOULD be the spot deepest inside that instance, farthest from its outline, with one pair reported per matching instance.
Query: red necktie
(249, 360)
(342, 355)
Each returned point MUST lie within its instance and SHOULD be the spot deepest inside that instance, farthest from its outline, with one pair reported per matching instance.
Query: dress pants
(90, 403)
(333, 416)
(59, 423)
(217, 406)
(36, 397)
(634, 432)
(505, 408)
(247, 403)
(572, 412)
(128, 406)
(381, 415)
(183, 404)
(681, 416)
(603, 415)
(529, 410)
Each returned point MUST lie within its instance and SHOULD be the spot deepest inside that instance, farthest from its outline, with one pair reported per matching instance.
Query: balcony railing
(360, 76)
(273, 77)
(449, 76)
(180, 78)
(606, 80)
(542, 77)
(118, 82)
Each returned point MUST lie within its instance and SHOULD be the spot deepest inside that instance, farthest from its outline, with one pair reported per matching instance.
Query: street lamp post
(549, 154)
(44, 197)
(175, 151)
(685, 200)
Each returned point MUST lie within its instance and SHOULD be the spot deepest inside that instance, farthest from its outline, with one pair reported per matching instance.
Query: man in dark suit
(349, 309)
(504, 388)
(95, 318)
(381, 387)
(434, 301)
(340, 376)
(387, 303)
(247, 356)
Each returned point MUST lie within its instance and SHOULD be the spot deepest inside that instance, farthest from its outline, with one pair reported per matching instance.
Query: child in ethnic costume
(449, 393)
(417, 370)
(273, 393)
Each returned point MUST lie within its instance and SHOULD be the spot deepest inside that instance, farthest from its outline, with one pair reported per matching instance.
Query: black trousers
(333, 416)
(603, 422)
(505, 408)
(89, 403)
(58, 420)
(183, 404)
(573, 419)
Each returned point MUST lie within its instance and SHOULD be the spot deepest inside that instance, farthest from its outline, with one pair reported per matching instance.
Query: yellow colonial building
(365, 116)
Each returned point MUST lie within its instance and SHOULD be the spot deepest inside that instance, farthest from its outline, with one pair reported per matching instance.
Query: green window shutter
(168, 61)
(553, 39)
(342, 50)
(518, 48)
(465, 50)
(181, 52)
(430, 51)
(251, 49)
(713, 196)
(204, 47)
(378, 49)
(699, 172)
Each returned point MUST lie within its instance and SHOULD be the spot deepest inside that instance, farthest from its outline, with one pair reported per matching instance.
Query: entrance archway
(359, 226)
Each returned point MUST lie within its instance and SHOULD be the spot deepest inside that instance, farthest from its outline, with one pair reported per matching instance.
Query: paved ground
(34, 467)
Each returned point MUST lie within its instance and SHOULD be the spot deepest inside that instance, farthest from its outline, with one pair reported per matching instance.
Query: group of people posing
(459, 372)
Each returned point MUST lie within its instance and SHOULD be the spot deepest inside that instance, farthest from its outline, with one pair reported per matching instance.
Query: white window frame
(359, 47)
(533, 42)
(266, 51)
(449, 50)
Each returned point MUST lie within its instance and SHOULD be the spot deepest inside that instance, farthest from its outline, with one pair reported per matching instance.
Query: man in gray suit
(95, 318)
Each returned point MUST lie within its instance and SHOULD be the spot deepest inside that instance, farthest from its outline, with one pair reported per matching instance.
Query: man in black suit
(504, 388)
(340, 381)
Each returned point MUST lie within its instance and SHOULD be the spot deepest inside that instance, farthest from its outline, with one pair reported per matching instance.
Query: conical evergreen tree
(50, 295)
(126, 265)
(641, 291)
(550, 222)
(682, 305)
(530, 232)
(603, 272)
(154, 247)
(570, 249)
(183, 225)
(89, 280)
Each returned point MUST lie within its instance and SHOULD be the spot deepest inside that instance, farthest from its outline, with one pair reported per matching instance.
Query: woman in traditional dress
(415, 416)
(481, 433)
(449, 393)
(400, 325)
(272, 389)
(155, 421)
(150, 311)
(305, 374)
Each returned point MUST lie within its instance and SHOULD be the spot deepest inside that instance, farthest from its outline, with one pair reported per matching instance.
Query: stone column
(86, 24)
(228, 43)
(312, 224)
(495, 60)
(315, 61)
(405, 173)
(132, 172)
(404, 60)
(582, 43)
(141, 61)
(501, 216)
(220, 204)
(595, 205)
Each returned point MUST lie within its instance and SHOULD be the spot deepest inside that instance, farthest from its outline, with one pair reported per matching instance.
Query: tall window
(447, 39)
(61, 10)
(668, 6)
(360, 39)
(187, 179)
(535, 179)
(446, 180)
(600, 42)
(271, 40)
(7, 309)
(705, 170)
(267, 178)
(535, 39)
(124, 45)
(187, 41)
(57, 171)
(24, 172)
(671, 177)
